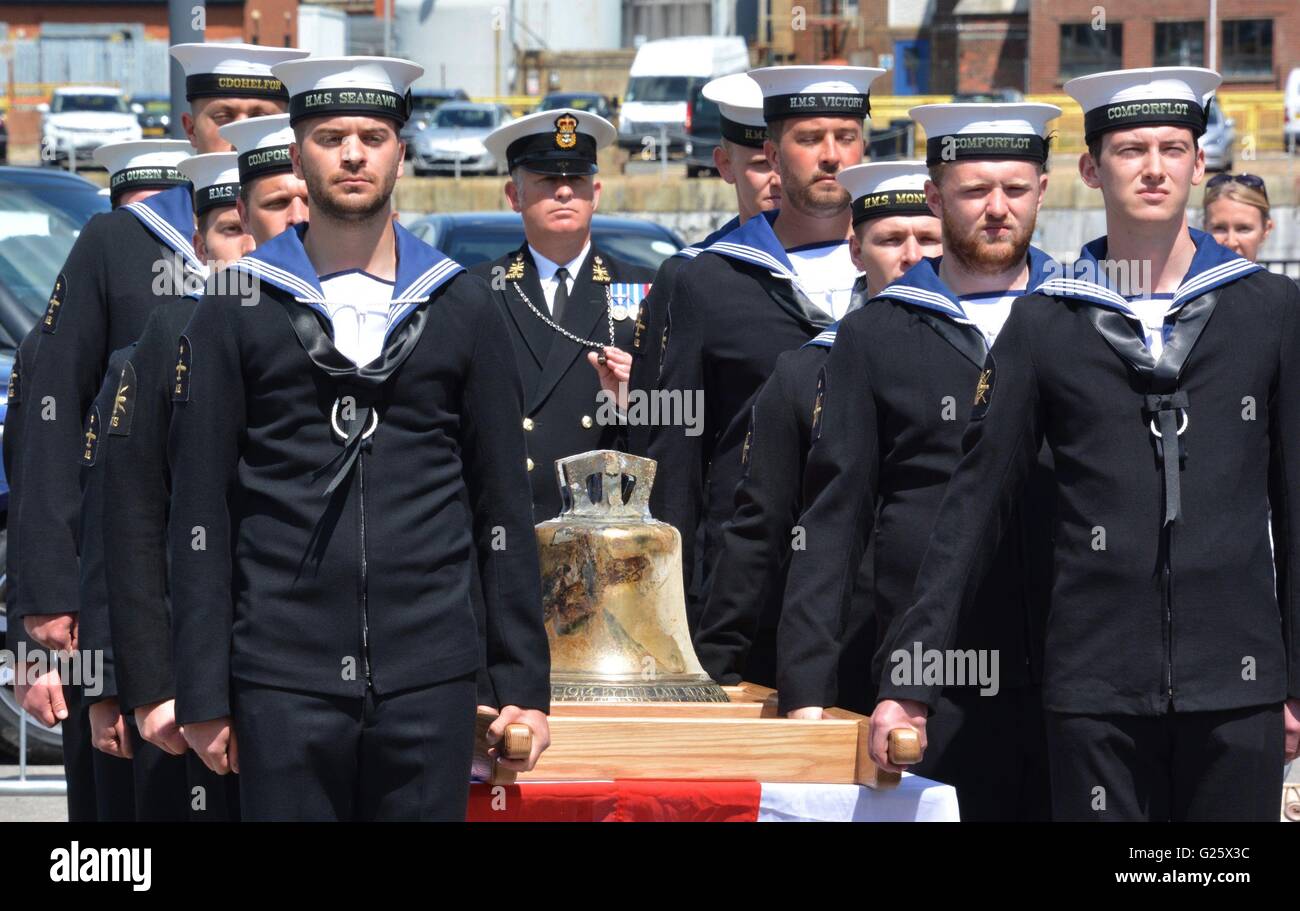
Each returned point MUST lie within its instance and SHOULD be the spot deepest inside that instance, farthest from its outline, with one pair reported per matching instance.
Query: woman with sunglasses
(1236, 212)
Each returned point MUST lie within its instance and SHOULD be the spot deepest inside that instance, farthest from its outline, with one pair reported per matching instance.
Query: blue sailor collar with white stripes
(695, 250)
(755, 242)
(169, 216)
(1087, 278)
(283, 263)
(920, 286)
(825, 338)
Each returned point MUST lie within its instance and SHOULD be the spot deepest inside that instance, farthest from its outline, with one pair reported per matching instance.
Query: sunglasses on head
(1246, 180)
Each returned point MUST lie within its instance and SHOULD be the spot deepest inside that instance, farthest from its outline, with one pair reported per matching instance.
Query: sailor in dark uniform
(1164, 373)
(123, 265)
(767, 287)
(170, 783)
(340, 453)
(892, 396)
(893, 229)
(741, 162)
(561, 295)
(265, 197)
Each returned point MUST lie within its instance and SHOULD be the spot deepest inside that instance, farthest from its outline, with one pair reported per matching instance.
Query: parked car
(1219, 139)
(702, 135)
(454, 141)
(424, 104)
(594, 102)
(82, 119)
(661, 80)
(993, 96)
(475, 237)
(154, 114)
(41, 214)
(4, 140)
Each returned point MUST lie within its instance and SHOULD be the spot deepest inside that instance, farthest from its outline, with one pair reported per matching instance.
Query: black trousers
(403, 756)
(212, 797)
(992, 750)
(1179, 767)
(100, 787)
(160, 782)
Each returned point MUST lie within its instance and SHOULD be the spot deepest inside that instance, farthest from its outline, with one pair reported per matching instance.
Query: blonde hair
(1237, 192)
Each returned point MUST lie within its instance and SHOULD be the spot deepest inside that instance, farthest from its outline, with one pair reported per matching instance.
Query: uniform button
(528, 423)
(586, 420)
(530, 464)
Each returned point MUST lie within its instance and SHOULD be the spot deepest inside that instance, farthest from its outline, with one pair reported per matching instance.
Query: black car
(154, 112)
(424, 104)
(41, 213)
(592, 102)
(703, 133)
(475, 237)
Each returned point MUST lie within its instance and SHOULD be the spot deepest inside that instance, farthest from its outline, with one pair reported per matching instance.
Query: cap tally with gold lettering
(262, 144)
(881, 189)
(961, 132)
(561, 141)
(349, 86)
(816, 91)
(233, 70)
(1155, 96)
(215, 176)
(740, 104)
(143, 164)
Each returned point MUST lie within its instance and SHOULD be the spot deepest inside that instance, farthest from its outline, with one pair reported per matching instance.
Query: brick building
(1256, 45)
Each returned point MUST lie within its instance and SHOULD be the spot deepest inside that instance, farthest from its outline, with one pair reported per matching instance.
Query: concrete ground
(32, 808)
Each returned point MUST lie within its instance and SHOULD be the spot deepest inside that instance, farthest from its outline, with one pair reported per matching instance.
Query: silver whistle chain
(586, 343)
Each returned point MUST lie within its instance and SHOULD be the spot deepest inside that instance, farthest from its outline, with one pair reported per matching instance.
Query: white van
(1291, 101)
(664, 75)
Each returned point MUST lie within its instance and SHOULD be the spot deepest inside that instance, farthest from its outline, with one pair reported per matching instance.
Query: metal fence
(102, 54)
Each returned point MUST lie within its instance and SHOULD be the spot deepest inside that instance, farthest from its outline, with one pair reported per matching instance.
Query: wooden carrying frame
(744, 739)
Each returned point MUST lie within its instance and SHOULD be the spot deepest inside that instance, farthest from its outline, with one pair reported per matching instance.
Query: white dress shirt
(546, 270)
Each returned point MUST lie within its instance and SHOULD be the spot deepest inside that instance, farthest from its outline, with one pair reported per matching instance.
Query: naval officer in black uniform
(341, 453)
(123, 265)
(893, 396)
(893, 229)
(767, 287)
(561, 295)
(741, 162)
(1164, 373)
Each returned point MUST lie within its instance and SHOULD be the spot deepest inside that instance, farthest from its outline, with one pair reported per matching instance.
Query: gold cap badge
(566, 131)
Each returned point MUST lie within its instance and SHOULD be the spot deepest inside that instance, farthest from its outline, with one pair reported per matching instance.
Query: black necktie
(561, 295)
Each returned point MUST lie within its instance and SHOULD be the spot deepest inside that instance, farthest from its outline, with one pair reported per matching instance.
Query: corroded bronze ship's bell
(612, 590)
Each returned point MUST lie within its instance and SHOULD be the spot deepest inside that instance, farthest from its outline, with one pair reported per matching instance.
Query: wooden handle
(516, 742)
(904, 746)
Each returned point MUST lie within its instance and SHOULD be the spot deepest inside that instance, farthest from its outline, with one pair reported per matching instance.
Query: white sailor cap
(880, 189)
(957, 132)
(816, 91)
(262, 144)
(233, 70)
(143, 164)
(560, 141)
(1155, 96)
(740, 102)
(215, 176)
(342, 86)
